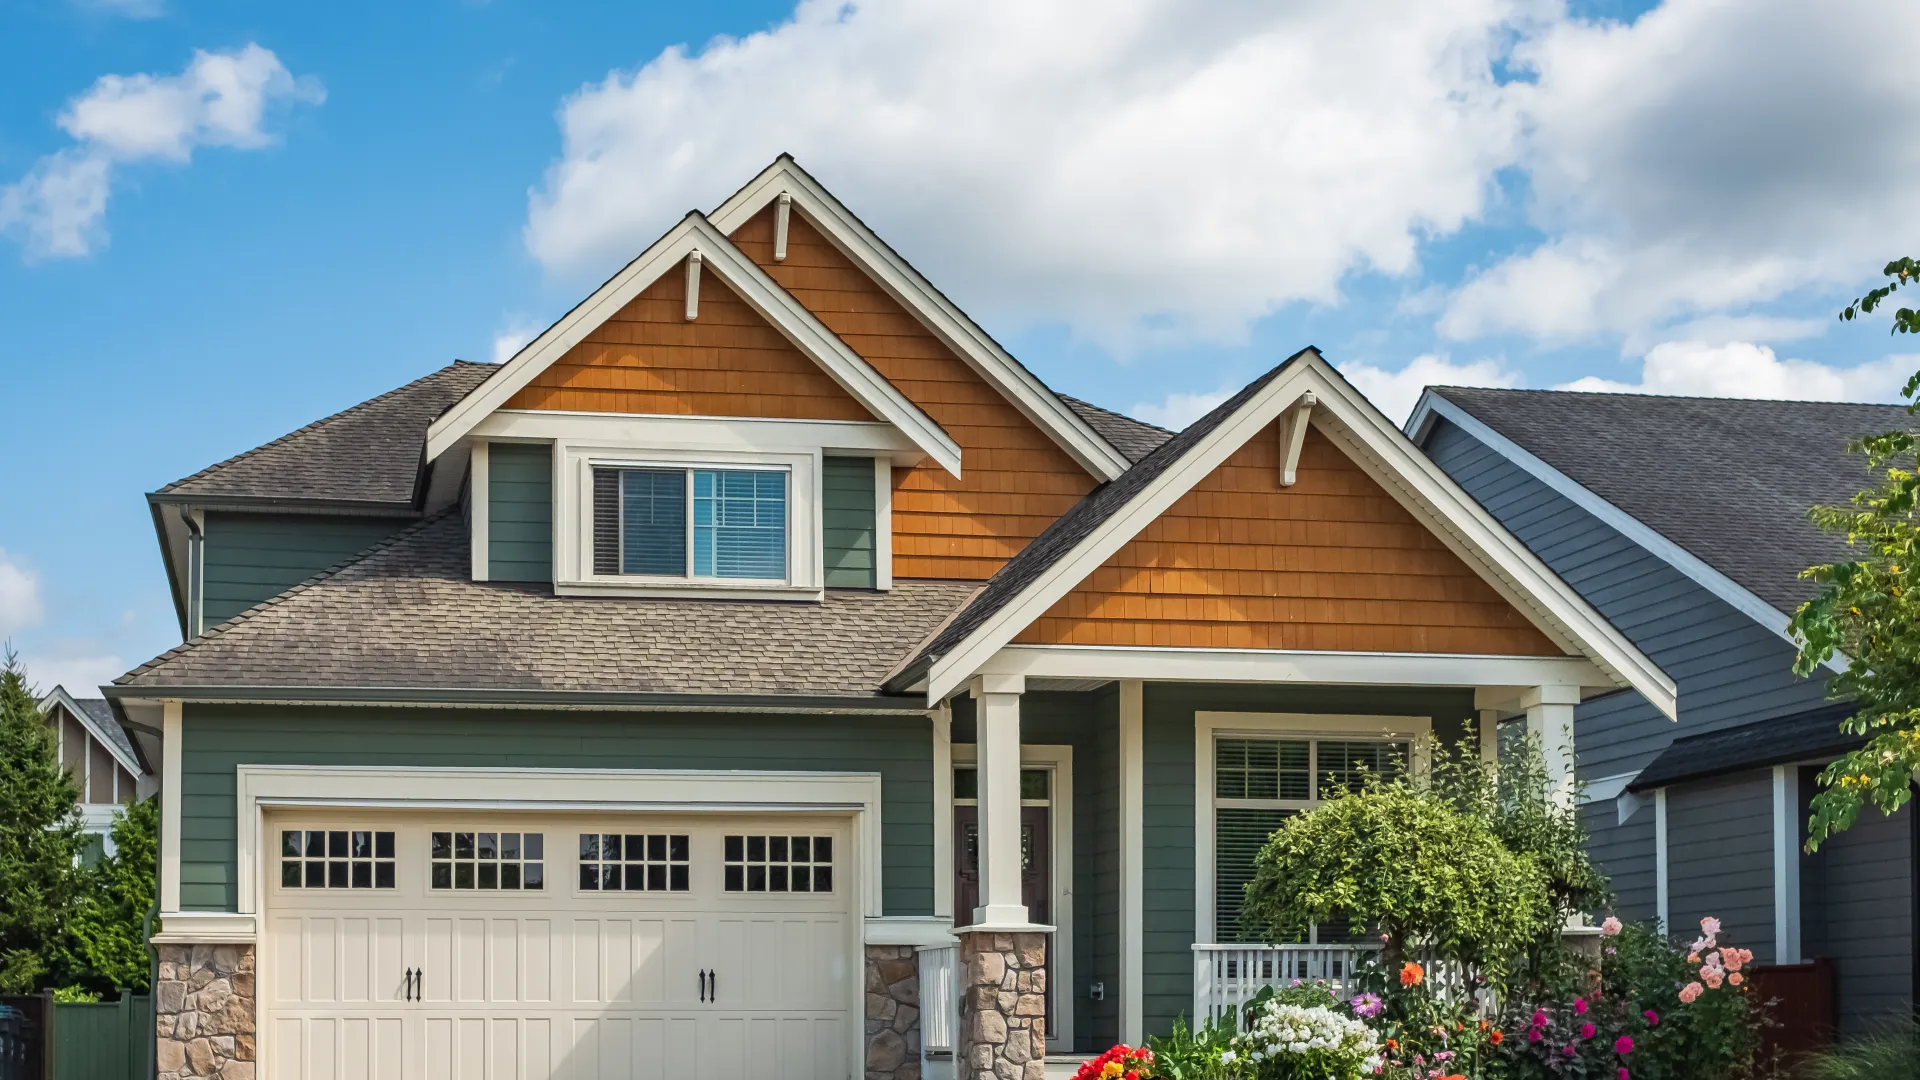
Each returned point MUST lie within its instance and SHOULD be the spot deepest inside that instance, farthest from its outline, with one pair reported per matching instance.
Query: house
(101, 759)
(1683, 521)
(761, 659)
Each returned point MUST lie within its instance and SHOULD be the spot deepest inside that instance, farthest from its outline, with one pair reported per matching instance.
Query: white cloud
(1742, 369)
(1176, 411)
(1396, 392)
(20, 605)
(1708, 157)
(513, 337)
(58, 209)
(83, 676)
(1143, 171)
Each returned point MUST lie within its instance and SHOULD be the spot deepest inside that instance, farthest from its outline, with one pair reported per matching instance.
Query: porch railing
(1225, 976)
(939, 1001)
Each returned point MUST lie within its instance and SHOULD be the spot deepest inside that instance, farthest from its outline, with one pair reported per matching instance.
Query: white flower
(1229, 1056)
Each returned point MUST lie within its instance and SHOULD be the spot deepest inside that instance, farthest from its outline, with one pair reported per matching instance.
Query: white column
(1132, 873)
(170, 725)
(1550, 722)
(1660, 859)
(1490, 736)
(1786, 864)
(996, 701)
(943, 811)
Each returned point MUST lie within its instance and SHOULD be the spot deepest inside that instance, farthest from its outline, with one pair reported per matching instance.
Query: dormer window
(690, 523)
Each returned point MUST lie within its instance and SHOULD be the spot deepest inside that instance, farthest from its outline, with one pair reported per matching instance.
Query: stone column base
(1003, 1006)
(203, 1012)
(893, 1013)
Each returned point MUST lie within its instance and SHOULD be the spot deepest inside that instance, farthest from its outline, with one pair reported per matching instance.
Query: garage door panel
(537, 956)
(503, 960)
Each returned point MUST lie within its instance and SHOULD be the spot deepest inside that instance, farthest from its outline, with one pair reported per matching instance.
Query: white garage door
(537, 946)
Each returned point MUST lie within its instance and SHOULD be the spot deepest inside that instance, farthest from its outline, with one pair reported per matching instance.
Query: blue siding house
(1682, 520)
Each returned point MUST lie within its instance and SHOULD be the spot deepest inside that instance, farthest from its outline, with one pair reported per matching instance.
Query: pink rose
(1533, 1035)
(1653, 1018)
(1567, 1050)
(1611, 927)
(1690, 992)
(1713, 976)
(1580, 1006)
(1587, 1030)
(1623, 1073)
(1539, 1018)
(1623, 1045)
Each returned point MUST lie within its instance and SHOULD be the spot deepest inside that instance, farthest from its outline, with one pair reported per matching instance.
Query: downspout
(196, 576)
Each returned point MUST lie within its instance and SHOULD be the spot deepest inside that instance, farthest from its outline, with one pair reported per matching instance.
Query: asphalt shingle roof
(101, 713)
(370, 453)
(1729, 480)
(1813, 735)
(1134, 438)
(404, 614)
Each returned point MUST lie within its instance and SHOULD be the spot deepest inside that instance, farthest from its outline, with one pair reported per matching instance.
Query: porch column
(1550, 721)
(997, 712)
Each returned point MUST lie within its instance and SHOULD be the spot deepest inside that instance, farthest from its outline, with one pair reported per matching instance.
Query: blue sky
(1148, 202)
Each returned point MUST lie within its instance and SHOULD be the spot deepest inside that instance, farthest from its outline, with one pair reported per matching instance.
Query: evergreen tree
(40, 838)
(105, 949)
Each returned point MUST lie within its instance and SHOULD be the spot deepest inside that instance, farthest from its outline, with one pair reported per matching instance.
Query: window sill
(687, 591)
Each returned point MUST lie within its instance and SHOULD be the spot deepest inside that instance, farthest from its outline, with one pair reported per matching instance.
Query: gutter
(426, 697)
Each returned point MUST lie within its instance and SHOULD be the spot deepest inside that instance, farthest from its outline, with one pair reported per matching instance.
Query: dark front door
(1036, 871)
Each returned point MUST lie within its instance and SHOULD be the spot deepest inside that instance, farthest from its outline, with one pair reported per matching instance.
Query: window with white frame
(1259, 781)
(690, 523)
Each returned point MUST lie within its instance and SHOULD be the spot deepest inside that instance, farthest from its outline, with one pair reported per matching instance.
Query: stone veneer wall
(1003, 1006)
(893, 1013)
(203, 1012)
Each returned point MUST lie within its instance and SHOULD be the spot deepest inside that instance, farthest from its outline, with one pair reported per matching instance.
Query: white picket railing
(1225, 976)
(939, 1006)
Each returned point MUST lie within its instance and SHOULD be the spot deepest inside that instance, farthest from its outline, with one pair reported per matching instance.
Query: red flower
(1412, 974)
(1496, 1037)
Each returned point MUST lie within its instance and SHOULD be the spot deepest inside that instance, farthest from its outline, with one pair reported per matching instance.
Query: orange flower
(1496, 1038)
(1394, 1045)
(1736, 978)
(1411, 974)
(1454, 1076)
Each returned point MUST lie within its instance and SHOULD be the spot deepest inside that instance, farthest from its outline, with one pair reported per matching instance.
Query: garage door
(503, 947)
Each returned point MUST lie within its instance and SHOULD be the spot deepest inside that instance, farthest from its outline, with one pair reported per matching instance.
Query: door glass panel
(485, 861)
(785, 864)
(336, 859)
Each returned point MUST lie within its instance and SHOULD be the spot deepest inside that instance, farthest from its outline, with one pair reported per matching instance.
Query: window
(656, 862)
(336, 859)
(725, 524)
(1258, 783)
(489, 860)
(779, 864)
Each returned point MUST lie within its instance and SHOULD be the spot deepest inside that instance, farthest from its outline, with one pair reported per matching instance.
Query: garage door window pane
(336, 859)
(784, 864)
(486, 861)
(635, 862)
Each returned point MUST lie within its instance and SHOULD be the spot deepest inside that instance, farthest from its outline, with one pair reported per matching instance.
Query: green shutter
(848, 514)
(519, 512)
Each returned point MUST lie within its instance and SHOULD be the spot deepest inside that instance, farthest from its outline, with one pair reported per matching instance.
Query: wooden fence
(49, 1040)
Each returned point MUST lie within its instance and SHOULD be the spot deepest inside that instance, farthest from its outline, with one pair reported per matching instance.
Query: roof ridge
(317, 424)
(276, 600)
(1666, 397)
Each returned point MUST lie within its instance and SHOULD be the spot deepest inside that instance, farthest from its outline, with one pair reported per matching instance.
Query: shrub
(1296, 1042)
(1890, 1052)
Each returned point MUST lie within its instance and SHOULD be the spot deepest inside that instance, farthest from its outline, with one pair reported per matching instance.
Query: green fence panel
(105, 1040)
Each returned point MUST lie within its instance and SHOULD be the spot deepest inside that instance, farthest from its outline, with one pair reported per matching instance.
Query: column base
(1003, 1004)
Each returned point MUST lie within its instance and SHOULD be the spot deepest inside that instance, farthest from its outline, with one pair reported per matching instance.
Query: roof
(1074, 526)
(370, 453)
(1134, 438)
(1713, 475)
(1813, 735)
(98, 718)
(404, 614)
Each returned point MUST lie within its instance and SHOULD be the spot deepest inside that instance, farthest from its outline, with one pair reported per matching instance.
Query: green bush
(1890, 1053)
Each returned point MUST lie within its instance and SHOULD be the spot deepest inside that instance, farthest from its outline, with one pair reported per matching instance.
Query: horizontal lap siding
(250, 558)
(1624, 852)
(848, 516)
(219, 738)
(649, 358)
(519, 512)
(1720, 858)
(1014, 479)
(1332, 562)
(1867, 896)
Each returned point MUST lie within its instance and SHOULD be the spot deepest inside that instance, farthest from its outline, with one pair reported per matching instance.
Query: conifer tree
(106, 950)
(40, 838)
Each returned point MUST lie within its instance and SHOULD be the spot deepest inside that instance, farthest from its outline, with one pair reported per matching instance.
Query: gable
(649, 358)
(1014, 479)
(1331, 563)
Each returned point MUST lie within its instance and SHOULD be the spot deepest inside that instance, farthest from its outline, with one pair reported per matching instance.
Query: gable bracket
(693, 284)
(782, 213)
(1293, 435)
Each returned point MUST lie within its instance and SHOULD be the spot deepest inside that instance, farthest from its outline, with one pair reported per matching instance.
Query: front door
(1036, 853)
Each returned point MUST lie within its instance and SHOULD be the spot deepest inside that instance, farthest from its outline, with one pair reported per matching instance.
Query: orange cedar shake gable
(647, 358)
(1331, 563)
(1014, 479)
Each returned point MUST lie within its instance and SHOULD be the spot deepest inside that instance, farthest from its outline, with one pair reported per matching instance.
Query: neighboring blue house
(1683, 520)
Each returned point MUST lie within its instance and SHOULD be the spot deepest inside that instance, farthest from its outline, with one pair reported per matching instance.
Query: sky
(220, 221)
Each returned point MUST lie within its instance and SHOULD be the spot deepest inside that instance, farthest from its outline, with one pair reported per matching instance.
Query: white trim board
(1735, 595)
(1385, 453)
(60, 695)
(1293, 666)
(694, 234)
(934, 311)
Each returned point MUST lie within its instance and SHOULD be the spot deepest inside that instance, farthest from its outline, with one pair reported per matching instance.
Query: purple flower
(1367, 1006)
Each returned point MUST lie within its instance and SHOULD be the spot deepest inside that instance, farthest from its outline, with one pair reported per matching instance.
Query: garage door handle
(713, 986)
(703, 984)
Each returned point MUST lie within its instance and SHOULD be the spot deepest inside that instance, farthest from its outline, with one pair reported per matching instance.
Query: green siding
(218, 738)
(1168, 803)
(249, 558)
(1090, 723)
(519, 512)
(847, 512)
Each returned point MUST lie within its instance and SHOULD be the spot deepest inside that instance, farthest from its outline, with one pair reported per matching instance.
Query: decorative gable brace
(697, 244)
(1044, 573)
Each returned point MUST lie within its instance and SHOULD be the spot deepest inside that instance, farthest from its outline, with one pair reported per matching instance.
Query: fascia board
(752, 284)
(583, 700)
(950, 671)
(1320, 667)
(938, 314)
(1516, 571)
(60, 694)
(1434, 407)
